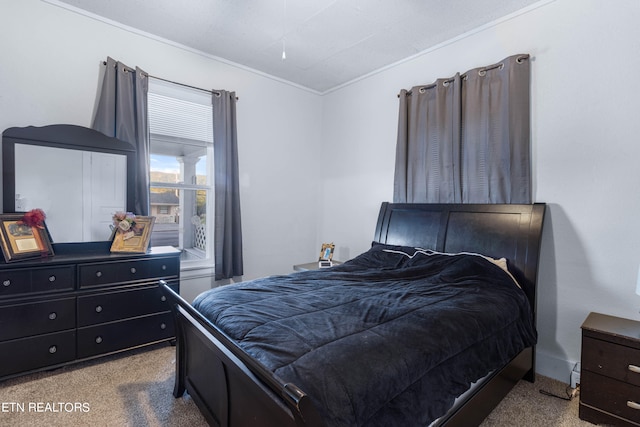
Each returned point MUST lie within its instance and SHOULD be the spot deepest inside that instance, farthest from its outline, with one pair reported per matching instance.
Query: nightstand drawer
(105, 338)
(109, 273)
(37, 352)
(611, 360)
(609, 395)
(110, 306)
(22, 320)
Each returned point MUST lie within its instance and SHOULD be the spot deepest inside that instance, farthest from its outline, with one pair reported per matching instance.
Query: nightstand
(311, 266)
(610, 374)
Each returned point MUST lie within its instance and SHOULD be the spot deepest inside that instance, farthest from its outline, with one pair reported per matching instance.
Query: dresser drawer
(37, 352)
(117, 305)
(53, 279)
(50, 279)
(109, 337)
(107, 273)
(611, 360)
(610, 395)
(22, 320)
(13, 282)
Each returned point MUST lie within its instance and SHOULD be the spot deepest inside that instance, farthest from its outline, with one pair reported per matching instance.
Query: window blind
(181, 112)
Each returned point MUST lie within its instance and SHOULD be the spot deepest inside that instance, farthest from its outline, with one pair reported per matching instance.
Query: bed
(445, 297)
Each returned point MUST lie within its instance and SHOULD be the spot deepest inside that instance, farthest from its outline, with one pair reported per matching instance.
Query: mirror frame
(61, 136)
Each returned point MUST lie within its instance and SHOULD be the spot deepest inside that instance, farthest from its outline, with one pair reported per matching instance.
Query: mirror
(78, 176)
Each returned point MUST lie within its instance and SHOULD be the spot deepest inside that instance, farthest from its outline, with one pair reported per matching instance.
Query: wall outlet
(575, 376)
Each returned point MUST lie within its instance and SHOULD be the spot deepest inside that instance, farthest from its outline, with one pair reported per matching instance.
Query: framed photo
(136, 238)
(22, 241)
(326, 252)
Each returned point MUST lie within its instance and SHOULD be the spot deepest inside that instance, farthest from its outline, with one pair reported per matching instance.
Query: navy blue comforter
(389, 338)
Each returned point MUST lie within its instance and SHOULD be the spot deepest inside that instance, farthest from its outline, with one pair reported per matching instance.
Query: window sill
(194, 259)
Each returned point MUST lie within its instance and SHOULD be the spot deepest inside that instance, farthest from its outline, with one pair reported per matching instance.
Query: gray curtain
(122, 113)
(227, 225)
(466, 139)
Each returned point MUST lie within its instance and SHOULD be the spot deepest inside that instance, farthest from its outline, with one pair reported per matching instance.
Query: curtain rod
(214, 92)
(481, 72)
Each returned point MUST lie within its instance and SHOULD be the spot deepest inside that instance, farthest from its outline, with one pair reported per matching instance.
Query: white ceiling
(328, 42)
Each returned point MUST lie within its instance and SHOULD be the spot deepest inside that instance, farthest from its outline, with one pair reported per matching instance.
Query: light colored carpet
(132, 389)
(525, 406)
(135, 389)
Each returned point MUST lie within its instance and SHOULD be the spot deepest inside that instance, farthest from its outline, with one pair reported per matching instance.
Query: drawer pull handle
(6, 282)
(53, 349)
(98, 309)
(53, 316)
(98, 273)
(163, 298)
(164, 267)
(633, 405)
(163, 326)
(98, 340)
(634, 368)
(133, 270)
(52, 278)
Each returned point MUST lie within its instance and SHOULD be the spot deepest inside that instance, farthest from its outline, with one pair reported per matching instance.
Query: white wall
(585, 127)
(50, 60)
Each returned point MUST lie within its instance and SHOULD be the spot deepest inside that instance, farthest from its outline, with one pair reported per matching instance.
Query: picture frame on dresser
(136, 239)
(21, 241)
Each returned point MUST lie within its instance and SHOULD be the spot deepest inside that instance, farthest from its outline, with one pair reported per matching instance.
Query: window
(181, 169)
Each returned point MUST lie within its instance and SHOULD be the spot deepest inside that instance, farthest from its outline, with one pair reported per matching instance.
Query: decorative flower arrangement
(125, 223)
(34, 218)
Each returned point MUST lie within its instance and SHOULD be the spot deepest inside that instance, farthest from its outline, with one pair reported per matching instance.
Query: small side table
(311, 266)
(610, 370)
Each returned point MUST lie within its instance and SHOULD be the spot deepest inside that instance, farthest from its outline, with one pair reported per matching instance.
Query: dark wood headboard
(496, 230)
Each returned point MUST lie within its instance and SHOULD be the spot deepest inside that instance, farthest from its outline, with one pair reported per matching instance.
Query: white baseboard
(554, 367)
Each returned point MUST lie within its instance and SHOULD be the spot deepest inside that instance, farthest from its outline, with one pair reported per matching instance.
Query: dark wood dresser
(83, 302)
(610, 371)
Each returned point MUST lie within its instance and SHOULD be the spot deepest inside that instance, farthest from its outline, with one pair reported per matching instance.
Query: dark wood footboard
(230, 387)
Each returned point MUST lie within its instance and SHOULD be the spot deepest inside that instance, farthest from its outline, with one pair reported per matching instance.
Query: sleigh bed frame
(232, 389)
